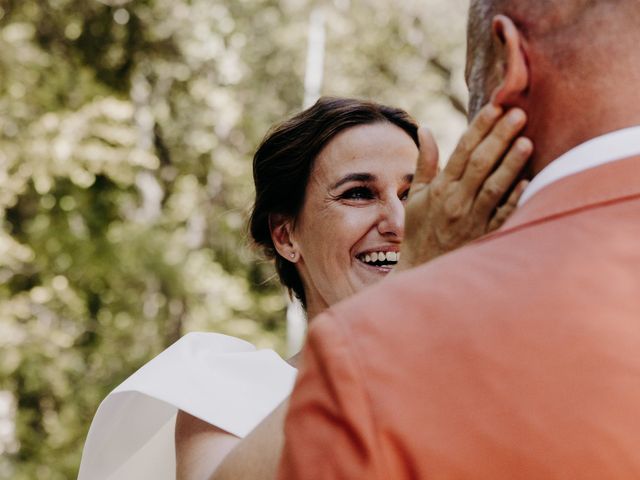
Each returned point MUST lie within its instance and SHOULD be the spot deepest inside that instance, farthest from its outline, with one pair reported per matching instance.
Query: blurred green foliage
(126, 135)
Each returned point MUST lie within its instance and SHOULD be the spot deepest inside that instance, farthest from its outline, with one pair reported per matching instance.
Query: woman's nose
(392, 218)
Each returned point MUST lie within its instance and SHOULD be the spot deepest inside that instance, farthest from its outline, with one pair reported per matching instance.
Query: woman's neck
(314, 308)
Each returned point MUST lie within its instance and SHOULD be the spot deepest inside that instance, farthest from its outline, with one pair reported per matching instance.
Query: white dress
(222, 380)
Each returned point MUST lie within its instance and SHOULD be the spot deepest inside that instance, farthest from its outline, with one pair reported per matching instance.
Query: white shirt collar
(592, 153)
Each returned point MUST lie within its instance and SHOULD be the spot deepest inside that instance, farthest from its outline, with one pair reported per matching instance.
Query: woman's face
(349, 230)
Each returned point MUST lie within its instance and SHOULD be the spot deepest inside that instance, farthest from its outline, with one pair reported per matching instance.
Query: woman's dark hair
(285, 158)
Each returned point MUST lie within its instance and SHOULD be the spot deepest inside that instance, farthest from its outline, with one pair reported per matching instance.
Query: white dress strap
(222, 380)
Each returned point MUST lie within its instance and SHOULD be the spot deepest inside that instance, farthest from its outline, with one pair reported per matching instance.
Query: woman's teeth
(380, 258)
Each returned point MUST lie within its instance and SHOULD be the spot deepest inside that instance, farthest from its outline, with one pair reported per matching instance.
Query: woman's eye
(358, 193)
(404, 195)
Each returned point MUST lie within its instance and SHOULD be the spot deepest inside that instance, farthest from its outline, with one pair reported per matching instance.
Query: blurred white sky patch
(315, 57)
(152, 194)
(8, 442)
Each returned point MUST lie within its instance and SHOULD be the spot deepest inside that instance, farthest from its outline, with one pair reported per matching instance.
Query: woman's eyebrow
(354, 177)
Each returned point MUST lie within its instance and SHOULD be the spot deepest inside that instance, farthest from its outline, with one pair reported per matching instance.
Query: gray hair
(566, 29)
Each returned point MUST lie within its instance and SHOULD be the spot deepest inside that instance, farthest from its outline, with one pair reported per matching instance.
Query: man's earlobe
(281, 228)
(515, 74)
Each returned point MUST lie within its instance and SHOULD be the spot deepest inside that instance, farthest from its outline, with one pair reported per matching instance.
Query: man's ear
(281, 227)
(515, 74)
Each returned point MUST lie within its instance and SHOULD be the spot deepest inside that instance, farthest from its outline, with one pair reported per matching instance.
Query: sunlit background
(126, 135)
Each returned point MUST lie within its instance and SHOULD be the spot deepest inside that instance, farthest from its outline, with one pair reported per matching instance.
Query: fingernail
(515, 116)
(493, 110)
(524, 145)
(523, 185)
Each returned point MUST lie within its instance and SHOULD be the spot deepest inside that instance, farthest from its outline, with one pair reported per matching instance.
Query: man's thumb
(427, 166)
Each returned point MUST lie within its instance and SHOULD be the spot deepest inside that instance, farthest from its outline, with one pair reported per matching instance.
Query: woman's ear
(281, 227)
(515, 71)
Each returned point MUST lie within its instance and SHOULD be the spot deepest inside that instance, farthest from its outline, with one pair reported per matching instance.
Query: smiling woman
(322, 177)
(360, 183)
(352, 206)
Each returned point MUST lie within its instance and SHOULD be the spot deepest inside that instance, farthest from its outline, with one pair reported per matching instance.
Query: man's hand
(447, 209)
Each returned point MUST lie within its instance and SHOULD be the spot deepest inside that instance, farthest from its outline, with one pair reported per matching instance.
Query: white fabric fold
(222, 380)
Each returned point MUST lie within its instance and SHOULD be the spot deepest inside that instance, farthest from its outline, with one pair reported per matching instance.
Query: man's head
(572, 65)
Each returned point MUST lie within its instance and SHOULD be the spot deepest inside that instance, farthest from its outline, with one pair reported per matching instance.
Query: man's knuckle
(475, 158)
(479, 162)
(464, 145)
(492, 190)
(453, 210)
(437, 189)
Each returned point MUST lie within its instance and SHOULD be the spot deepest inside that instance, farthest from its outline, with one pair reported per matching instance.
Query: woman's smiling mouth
(379, 260)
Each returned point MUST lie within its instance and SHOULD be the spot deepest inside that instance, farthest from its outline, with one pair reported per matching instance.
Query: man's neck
(581, 79)
(564, 121)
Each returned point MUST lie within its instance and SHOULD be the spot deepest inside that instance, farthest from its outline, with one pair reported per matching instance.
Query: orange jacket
(516, 357)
